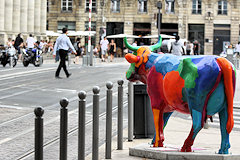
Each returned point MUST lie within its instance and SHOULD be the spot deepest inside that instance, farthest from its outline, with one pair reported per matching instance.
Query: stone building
(22, 16)
(211, 22)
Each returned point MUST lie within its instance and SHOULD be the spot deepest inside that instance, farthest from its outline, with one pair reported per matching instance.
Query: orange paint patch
(143, 53)
(227, 75)
(173, 85)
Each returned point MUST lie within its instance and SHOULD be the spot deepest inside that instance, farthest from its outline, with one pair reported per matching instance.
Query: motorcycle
(8, 55)
(33, 56)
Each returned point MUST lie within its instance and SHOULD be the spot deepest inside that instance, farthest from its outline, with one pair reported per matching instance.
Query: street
(23, 89)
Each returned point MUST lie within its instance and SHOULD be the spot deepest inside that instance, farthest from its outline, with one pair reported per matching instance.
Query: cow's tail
(229, 76)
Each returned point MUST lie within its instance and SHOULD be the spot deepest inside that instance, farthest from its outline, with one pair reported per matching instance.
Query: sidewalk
(96, 60)
(175, 133)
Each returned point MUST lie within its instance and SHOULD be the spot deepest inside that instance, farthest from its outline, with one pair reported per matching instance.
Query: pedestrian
(77, 46)
(18, 44)
(189, 48)
(184, 47)
(196, 47)
(104, 47)
(9, 43)
(237, 48)
(30, 41)
(112, 49)
(63, 44)
(176, 47)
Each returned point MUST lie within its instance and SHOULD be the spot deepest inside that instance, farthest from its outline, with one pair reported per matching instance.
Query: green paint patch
(131, 68)
(188, 71)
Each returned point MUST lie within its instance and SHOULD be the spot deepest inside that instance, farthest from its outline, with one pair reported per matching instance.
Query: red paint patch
(173, 85)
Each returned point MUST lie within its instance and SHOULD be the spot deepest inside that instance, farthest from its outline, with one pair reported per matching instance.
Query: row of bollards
(81, 124)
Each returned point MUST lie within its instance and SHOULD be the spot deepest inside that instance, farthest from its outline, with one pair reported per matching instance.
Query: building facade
(22, 16)
(211, 22)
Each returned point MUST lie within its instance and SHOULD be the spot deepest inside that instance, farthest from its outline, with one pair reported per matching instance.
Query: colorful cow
(196, 85)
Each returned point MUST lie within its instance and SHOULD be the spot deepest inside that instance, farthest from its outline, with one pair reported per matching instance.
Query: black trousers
(62, 64)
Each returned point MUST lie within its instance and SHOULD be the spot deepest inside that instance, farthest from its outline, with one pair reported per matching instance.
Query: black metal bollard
(81, 125)
(38, 133)
(63, 128)
(120, 115)
(95, 137)
(108, 147)
(130, 111)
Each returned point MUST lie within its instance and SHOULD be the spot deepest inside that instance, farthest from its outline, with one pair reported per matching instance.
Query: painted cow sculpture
(196, 85)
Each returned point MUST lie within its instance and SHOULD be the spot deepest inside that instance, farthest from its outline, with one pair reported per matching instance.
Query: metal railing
(81, 123)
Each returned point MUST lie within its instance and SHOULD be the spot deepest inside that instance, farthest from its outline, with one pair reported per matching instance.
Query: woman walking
(112, 49)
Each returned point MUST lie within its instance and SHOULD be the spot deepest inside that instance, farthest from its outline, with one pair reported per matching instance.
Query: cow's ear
(132, 58)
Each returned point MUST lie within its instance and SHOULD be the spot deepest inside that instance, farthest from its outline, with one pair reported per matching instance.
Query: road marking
(218, 125)
(11, 107)
(25, 73)
(15, 94)
(65, 90)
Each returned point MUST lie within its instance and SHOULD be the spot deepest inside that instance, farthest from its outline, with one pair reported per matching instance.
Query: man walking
(63, 44)
(177, 48)
(104, 47)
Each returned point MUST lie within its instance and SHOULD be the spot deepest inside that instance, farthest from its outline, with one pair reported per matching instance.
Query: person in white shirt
(30, 42)
(63, 44)
(237, 48)
(104, 47)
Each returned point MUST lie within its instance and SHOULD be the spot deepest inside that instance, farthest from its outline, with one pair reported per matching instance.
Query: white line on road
(25, 73)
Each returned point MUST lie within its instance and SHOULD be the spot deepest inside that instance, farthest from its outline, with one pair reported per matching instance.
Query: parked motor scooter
(8, 56)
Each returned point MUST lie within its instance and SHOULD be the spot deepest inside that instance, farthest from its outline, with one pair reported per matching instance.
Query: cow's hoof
(225, 151)
(186, 149)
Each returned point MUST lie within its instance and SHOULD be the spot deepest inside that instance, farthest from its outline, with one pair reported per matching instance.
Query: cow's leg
(166, 117)
(225, 145)
(158, 122)
(196, 127)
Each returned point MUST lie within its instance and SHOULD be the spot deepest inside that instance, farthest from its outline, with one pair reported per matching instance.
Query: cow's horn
(156, 46)
(129, 46)
(131, 58)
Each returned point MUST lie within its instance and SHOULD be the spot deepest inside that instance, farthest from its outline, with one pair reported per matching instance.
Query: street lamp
(159, 6)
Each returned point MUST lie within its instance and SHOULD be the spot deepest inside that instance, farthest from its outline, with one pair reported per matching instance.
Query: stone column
(2, 14)
(8, 15)
(37, 16)
(24, 16)
(30, 21)
(43, 16)
(16, 16)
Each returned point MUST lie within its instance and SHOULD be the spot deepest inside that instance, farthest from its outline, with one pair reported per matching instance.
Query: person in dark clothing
(18, 44)
(196, 47)
(63, 44)
(77, 46)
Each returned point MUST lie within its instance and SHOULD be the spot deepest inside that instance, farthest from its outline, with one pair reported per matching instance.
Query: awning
(156, 36)
(122, 36)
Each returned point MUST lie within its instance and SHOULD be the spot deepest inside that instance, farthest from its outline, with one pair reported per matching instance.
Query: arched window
(222, 7)
(196, 6)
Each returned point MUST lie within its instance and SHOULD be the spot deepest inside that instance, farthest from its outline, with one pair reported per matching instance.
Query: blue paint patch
(204, 82)
(164, 63)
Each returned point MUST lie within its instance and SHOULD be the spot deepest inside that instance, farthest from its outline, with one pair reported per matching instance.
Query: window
(142, 6)
(94, 6)
(169, 6)
(67, 5)
(222, 7)
(115, 6)
(93, 26)
(70, 25)
(197, 7)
